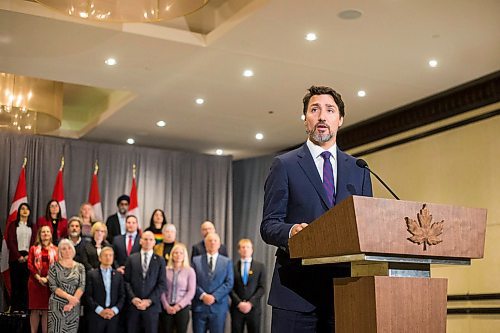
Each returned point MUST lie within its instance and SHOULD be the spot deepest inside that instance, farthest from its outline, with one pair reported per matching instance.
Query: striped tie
(328, 182)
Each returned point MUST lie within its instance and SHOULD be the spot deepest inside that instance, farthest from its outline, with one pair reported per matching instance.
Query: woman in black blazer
(91, 251)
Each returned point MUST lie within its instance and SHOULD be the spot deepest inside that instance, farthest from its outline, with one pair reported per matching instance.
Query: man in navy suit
(105, 295)
(145, 281)
(302, 185)
(127, 244)
(214, 281)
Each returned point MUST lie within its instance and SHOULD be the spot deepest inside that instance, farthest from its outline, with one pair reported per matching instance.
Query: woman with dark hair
(158, 220)
(20, 237)
(58, 225)
(42, 255)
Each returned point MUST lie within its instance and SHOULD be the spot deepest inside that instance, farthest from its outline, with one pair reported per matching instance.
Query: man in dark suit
(214, 281)
(249, 285)
(198, 249)
(74, 235)
(302, 185)
(125, 245)
(105, 295)
(145, 281)
(116, 222)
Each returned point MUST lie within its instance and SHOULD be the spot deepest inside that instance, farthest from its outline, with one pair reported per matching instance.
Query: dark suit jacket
(294, 193)
(199, 249)
(150, 287)
(120, 247)
(113, 225)
(89, 256)
(219, 283)
(95, 292)
(254, 290)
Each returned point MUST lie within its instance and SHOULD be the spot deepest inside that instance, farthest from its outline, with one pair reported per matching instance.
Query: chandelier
(125, 10)
(30, 105)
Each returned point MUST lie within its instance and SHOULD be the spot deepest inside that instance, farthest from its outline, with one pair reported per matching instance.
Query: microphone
(362, 164)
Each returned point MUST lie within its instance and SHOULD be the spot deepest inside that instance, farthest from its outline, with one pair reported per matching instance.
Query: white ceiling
(166, 67)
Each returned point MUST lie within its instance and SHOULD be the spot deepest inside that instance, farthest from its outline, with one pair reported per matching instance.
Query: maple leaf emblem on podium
(423, 230)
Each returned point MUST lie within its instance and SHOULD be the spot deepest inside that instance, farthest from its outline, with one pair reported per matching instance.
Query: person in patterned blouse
(67, 284)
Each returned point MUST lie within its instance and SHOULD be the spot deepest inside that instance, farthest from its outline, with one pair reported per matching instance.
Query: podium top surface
(393, 227)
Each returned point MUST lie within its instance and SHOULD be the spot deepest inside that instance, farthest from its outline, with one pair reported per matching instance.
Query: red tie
(129, 245)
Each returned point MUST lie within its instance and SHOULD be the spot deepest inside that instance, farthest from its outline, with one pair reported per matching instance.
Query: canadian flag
(94, 196)
(20, 197)
(134, 207)
(58, 193)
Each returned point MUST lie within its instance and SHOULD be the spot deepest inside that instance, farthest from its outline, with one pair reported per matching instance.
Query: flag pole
(62, 164)
(25, 161)
(133, 170)
(96, 167)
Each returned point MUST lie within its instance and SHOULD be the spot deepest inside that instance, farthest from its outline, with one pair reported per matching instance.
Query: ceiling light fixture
(200, 101)
(161, 123)
(130, 141)
(259, 136)
(219, 152)
(350, 14)
(361, 93)
(30, 105)
(248, 73)
(110, 61)
(311, 37)
(433, 63)
(125, 11)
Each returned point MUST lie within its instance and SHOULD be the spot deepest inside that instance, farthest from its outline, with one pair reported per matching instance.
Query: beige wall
(459, 167)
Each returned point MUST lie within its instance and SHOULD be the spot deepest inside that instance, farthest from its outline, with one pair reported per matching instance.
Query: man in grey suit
(214, 282)
(145, 281)
(302, 185)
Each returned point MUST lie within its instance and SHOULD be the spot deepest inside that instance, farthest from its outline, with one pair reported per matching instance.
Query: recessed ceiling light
(130, 141)
(200, 101)
(311, 36)
(259, 136)
(110, 61)
(83, 14)
(361, 93)
(161, 123)
(219, 151)
(433, 63)
(247, 73)
(303, 117)
(350, 14)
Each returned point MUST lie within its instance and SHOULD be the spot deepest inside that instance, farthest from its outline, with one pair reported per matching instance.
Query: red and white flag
(20, 197)
(94, 196)
(134, 207)
(58, 193)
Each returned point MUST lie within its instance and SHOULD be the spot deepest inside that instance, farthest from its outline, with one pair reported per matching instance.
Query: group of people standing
(81, 275)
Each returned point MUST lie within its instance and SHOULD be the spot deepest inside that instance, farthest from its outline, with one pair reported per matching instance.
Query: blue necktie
(328, 182)
(245, 272)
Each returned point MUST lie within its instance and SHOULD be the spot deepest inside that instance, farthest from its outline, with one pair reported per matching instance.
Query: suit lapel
(307, 164)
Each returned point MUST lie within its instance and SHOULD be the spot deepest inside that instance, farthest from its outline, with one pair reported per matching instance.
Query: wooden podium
(391, 245)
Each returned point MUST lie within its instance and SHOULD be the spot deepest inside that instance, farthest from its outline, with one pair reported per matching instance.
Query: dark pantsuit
(238, 320)
(138, 321)
(180, 321)
(97, 324)
(286, 321)
(19, 275)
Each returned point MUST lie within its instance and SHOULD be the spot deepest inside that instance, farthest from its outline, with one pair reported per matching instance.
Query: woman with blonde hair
(181, 288)
(88, 219)
(42, 255)
(91, 251)
(67, 283)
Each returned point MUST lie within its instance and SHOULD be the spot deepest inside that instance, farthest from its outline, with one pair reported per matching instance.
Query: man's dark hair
(322, 90)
